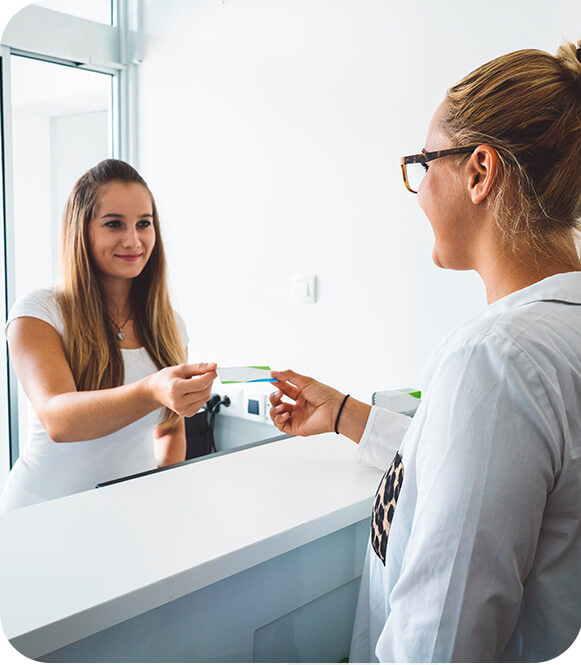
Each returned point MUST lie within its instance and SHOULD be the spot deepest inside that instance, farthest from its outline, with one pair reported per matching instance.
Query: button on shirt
(483, 556)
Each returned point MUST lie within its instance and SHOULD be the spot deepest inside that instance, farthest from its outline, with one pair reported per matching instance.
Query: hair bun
(570, 57)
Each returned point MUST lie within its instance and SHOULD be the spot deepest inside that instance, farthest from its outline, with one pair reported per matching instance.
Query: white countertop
(80, 564)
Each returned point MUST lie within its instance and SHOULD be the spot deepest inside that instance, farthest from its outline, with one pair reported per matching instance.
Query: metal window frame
(5, 211)
(107, 49)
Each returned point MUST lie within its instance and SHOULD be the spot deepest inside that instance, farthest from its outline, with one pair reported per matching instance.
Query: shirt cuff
(382, 437)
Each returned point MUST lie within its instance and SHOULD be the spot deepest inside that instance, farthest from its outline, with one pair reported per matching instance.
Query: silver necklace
(120, 333)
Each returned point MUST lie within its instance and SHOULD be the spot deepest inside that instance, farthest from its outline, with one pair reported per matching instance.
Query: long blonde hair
(527, 105)
(90, 342)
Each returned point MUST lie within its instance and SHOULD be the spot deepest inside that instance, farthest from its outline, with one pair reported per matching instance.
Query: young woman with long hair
(102, 358)
(475, 549)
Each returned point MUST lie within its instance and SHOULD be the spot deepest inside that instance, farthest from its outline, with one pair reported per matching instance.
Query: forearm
(70, 415)
(170, 444)
(84, 415)
(353, 419)
(316, 408)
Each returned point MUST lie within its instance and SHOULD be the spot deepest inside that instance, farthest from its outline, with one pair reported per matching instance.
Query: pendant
(121, 335)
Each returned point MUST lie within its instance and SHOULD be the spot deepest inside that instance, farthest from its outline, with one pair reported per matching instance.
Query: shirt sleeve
(483, 466)
(382, 437)
(40, 304)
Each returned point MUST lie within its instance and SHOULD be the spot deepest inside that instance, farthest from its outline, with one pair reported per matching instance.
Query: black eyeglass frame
(424, 157)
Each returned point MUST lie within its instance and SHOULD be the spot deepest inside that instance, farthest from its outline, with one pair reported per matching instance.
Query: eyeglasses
(414, 167)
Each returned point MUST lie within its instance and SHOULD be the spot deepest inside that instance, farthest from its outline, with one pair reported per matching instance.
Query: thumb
(197, 369)
(298, 380)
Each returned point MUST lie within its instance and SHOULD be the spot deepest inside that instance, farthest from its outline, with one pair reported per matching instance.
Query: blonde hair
(527, 105)
(91, 344)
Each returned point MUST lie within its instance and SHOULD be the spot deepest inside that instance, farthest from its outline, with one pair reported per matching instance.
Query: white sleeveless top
(47, 470)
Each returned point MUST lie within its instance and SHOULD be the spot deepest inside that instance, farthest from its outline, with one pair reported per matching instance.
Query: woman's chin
(437, 259)
(450, 262)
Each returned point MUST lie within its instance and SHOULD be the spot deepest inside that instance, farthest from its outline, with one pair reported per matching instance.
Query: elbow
(62, 422)
(56, 430)
(168, 460)
(55, 434)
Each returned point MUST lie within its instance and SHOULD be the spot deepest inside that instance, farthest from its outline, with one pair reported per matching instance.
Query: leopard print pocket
(384, 506)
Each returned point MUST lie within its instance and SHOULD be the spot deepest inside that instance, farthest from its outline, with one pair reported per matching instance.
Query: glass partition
(61, 126)
(93, 10)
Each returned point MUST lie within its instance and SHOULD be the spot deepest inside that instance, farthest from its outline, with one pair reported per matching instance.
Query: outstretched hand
(315, 405)
(184, 388)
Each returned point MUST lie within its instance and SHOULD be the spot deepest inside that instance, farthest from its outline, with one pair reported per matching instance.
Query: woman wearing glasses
(475, 551)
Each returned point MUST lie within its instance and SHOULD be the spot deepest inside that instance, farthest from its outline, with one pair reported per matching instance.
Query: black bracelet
(339, 414)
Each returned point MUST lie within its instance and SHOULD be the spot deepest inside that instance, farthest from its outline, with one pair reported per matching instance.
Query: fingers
(190, 387)
(280, 416)
(194, 393)
(280, 412)
(290, 391)
(290, 382)
(187, 387)
(189, 404)
(275, 397)
(197, 383)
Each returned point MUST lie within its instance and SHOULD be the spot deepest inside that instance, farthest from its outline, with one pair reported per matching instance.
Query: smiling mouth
(129, 257)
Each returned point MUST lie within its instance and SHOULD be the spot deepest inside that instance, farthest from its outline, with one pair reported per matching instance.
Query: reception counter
(249, 556)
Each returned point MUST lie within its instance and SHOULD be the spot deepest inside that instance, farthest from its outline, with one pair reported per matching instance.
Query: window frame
(106, 49)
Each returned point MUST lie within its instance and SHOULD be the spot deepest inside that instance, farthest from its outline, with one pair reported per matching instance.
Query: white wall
(270, 133)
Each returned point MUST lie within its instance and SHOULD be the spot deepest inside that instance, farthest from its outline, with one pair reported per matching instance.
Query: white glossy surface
(77, 565)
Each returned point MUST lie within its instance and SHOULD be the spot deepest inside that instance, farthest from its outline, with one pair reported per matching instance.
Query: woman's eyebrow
(116, 214)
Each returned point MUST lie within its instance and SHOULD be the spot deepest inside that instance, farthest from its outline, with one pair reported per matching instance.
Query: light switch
(303, 289)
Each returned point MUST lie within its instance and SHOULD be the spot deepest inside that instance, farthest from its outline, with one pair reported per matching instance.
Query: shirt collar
(563, 287)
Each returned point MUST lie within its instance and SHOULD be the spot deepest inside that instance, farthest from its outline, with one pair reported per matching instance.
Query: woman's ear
(482, 168)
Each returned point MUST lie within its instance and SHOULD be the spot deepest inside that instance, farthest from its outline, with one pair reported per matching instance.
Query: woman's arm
(315, 409)
(69, 415)
(170, 444)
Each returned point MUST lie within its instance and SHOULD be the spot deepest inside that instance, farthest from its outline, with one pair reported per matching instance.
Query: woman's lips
(128, 257)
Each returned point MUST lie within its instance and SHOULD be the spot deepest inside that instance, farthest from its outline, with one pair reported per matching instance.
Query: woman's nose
(131, 238)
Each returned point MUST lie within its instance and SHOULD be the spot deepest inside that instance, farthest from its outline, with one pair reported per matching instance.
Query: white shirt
(47, 470)
(483, 558)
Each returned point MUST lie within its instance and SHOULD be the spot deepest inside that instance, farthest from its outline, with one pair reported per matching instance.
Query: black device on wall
(200, 427)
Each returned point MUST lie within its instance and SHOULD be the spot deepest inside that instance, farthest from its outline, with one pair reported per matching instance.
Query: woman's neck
(503, 276)
(117, 297)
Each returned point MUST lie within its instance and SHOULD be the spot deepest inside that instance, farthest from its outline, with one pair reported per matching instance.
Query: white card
(247, 374)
